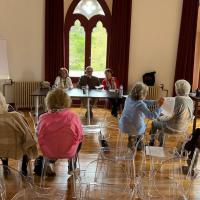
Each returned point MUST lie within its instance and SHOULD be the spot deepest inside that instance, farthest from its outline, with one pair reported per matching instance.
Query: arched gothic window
(87, 36)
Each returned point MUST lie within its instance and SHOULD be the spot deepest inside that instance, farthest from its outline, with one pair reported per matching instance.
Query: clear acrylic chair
(2, 189)
(173, 139)
(74, 172)
(33, 192)
(155, 157)
(167, 180)
(103, 184)
(170, 138)
(118, 152)
(173, 181)
(11, 181)
(186, 179)
(15, 185)
(120, 149)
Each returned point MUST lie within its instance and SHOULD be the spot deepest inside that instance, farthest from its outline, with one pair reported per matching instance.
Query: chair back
(33, 192)
(107, 180)
(11, 182)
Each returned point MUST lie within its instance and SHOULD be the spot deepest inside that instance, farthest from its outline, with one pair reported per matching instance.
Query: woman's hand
(160, 102)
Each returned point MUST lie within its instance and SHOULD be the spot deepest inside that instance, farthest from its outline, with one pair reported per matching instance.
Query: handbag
(149, 78)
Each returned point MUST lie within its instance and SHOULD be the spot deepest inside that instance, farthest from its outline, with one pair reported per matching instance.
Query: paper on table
(155, 151)
(99, 87)
(168, 106)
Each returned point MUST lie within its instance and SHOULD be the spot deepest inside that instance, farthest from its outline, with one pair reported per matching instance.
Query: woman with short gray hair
(182, 88)
(135, 111)
(140, 91)
(182, 114)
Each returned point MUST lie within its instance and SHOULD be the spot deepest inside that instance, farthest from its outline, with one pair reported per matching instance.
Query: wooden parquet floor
(89, 152)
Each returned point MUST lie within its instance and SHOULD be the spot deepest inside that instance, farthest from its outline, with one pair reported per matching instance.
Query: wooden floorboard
(89, 152)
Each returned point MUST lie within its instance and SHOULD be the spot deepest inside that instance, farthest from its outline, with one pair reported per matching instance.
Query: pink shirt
(59, 134)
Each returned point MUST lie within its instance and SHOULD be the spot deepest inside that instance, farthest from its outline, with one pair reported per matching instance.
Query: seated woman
(182, 114)
(60, 131)
(108, 83)
(16, 137)
(63, 80)
(135, 111)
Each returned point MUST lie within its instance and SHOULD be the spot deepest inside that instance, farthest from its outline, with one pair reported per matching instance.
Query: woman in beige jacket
(16, 137)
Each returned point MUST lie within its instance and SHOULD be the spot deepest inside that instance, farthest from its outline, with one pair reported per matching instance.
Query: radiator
(154, 92)
(22, 94)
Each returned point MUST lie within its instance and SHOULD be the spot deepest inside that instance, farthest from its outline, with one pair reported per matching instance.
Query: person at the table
(91, 81)
(132, 121)
(63, 80)
(111, 83)
(182, 114)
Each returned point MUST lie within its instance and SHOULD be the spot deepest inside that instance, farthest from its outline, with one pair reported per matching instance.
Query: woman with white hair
(16, 137)
(135, 111)
(182, 114)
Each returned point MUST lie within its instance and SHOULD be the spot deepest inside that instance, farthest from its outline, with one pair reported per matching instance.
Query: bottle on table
(197, 92)
(121, 91)
(87, 89)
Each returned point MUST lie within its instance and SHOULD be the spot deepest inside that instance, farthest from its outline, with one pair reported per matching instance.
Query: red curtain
(120, 39)
(186, 45)
(54, 42)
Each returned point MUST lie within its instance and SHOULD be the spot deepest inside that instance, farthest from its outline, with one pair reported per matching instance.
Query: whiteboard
(4, 71)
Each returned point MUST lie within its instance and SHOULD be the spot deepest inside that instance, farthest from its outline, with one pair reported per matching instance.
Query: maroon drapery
(186, 45)
(54, 43)
(120, 39)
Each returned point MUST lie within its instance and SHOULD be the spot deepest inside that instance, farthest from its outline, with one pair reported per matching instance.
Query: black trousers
(115, 105)
(25, 161)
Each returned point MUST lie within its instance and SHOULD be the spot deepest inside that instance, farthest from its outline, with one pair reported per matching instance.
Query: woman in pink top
(59, 130)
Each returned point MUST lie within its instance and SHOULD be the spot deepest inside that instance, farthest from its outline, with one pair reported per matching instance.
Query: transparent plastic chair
(2, 189)
(168, 180)
(12, 181)
(33, 193)
(74, 173)
(107, 184)
(120, 151)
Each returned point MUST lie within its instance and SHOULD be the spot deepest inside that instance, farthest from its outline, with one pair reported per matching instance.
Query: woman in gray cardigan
(182, 114)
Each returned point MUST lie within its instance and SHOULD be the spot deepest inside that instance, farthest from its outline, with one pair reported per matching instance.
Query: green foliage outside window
(99, 47)
(77, 48)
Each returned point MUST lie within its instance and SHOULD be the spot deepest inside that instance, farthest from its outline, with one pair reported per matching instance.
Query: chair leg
(30, 168)
(74, 179)
(44, 169)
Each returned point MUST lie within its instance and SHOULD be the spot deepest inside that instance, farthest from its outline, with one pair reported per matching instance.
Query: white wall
(154, 39)
(22, 25)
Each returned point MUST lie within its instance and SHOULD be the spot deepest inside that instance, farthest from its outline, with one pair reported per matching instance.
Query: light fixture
(89, 8)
